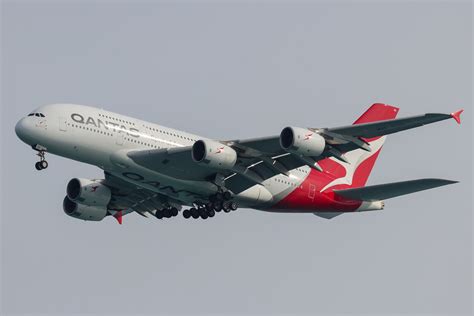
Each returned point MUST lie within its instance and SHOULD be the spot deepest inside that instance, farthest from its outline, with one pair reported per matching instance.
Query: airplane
(154, 170)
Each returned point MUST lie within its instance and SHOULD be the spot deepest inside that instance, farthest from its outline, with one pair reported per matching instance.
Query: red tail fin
(364, 162)
(357, 171)
(378, 112)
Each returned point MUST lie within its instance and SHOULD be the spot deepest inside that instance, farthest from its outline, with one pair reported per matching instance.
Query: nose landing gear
(42, 164)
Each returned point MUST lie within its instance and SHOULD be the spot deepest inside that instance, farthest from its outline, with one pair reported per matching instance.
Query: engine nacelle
(85, 212)
(214, 154)
(88, 192)
(302, 141)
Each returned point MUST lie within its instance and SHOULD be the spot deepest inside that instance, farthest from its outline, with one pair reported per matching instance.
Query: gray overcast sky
(240, 70)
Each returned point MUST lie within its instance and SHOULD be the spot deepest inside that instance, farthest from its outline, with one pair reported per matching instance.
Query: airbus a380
(151, 169)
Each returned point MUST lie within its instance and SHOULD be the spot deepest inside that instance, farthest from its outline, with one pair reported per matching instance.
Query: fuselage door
(312, 191)
(62, 124)
(119, 138)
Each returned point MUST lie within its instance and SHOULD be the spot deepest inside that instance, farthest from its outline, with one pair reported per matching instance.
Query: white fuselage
(102, 138)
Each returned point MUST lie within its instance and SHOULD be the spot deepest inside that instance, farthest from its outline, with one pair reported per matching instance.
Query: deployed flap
(390, 190)
(386, 127)
(328, 215)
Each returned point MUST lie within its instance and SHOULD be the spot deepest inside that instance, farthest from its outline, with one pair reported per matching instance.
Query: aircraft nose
(23, 130)
(20, 127)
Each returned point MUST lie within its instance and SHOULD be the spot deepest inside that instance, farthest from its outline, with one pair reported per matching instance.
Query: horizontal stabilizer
(390, 190)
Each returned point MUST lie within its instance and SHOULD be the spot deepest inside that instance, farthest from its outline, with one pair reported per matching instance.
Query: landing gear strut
(42, 164)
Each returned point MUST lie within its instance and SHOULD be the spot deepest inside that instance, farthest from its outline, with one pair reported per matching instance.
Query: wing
(173, 162)
(354, 133)
(252, 167)
(386, 127)
(270, 159)
(261, 158)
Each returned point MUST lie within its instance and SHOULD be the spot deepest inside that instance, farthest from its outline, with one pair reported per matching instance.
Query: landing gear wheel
(167, 213)
(233, 206)
(218, 196)
(194, 213)
(209, 207)
(42, 164)
(227, 195)
(204, 215)
(217, 206)
(173, 211)
(186, 214)
(211, 213)
(225, 206)
(159, 214)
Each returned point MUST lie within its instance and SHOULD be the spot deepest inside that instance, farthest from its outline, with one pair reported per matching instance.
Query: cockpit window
(36, 114)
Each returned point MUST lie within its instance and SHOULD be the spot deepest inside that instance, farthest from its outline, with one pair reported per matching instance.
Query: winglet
(457, 116)
(118, 216)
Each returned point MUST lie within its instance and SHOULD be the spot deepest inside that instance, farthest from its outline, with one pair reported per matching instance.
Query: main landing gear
(42, 164)
(166, 213)
(217, 202)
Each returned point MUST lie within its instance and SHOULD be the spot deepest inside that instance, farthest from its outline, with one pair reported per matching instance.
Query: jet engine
(302, 141)
(88, 192)
(85, 212)
(214, 154)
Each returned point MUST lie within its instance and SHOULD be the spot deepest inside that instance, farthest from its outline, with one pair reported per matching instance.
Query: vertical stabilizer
(360, 161)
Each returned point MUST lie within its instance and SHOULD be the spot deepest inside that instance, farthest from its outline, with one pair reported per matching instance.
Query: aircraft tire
(173, 211)
(217, 206)
(194, 213)
(218, 196)
(227, 195)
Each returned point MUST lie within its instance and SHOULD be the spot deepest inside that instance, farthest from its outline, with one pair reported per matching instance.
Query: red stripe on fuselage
(308, 196)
